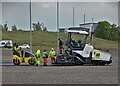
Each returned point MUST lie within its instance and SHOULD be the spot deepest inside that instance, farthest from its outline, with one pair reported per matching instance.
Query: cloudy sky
(17, 13)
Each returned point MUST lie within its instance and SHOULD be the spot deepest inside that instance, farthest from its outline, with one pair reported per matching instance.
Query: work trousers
(45, 60)
(52, 59)
(38, 61)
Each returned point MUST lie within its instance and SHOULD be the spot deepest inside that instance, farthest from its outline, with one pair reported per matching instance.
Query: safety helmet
(38, 50)
(44, 50)
(52, 48)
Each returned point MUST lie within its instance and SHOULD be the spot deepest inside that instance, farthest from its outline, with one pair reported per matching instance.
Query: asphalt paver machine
(79, 52)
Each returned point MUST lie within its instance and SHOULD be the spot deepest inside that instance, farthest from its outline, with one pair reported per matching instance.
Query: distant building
(90, 26)
(79, 28)
(62, 29)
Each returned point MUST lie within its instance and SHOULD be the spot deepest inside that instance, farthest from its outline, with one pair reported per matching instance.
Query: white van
(4, 42)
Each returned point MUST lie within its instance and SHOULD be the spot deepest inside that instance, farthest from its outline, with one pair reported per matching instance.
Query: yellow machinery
(27, 57)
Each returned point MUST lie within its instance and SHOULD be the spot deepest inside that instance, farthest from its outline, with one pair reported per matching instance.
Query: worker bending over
(52, 55)
(37, 55)
(45, 57)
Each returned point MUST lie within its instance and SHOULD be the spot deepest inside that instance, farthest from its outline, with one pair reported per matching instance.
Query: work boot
(45, 65)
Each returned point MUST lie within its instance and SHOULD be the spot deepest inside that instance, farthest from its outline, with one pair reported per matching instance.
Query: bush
(107, 31)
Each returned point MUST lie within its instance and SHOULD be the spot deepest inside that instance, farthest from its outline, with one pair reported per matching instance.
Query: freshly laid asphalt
(26, 74)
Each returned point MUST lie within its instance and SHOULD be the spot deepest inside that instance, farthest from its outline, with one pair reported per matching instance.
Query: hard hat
(52, 48)
(44, 50)
(38, 51)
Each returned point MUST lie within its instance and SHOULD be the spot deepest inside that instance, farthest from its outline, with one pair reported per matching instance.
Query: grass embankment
(46, 40)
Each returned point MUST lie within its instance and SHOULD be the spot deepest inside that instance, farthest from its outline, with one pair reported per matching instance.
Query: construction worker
(45, 57)
(52, 55)
(60, 46)
(7, 45)
(17, 51)
(14, 47)
(37, 55)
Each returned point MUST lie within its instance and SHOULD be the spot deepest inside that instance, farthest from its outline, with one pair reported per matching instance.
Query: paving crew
(37, 55)
(45, 57)
(52, 55)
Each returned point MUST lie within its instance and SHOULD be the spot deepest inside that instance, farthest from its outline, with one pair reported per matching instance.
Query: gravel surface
(25, 74)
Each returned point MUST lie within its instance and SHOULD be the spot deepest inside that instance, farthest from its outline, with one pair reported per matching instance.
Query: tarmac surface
(26, 74)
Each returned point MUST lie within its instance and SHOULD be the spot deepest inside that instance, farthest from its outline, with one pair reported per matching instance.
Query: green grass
(43, 39)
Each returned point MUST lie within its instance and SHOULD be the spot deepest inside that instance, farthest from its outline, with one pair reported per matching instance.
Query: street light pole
(30, 29)
(73, 21)
(92, 31)
(58, 21)
(73, 17)
(84, 28)
(84, 21)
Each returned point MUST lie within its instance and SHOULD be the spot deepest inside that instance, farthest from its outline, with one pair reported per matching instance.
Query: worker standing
(52, 55)
(14, 48)
(37, 55)
(45, 57)
(60, 46)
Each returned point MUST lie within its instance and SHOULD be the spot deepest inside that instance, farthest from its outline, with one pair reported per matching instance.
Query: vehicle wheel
(9, 47)
(31, 61)
(77, 62)
(94, 63)
(101, 63)
(16, 61)
(110, 61)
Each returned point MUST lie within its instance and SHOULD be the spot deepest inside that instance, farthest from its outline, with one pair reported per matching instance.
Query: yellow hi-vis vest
(44, 54)
(37, 53)
(52, 53)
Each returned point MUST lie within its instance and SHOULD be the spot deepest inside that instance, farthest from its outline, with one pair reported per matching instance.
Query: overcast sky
(18, 13)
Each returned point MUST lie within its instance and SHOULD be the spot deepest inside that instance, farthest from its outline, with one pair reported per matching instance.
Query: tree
(14, 28)
(1, 27)
(118, 33)
(107, 31)
(4, 27)
(34, 26)
(45, 29)
(103, 30)
(37, 26)
(114, 32)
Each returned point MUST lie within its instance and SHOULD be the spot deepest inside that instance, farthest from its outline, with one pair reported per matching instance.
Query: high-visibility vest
(52, 53)
(37, 53)
(15, 49)
(44, 54)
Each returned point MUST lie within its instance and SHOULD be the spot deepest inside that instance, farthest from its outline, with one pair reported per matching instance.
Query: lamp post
(58, 21)
(30, 29)
(73, 17)
(92, 31)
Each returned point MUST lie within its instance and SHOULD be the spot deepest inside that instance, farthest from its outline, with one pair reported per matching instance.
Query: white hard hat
(52, 48)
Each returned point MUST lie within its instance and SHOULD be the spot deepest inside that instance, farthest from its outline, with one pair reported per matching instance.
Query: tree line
(36, 27)
(104, 30)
